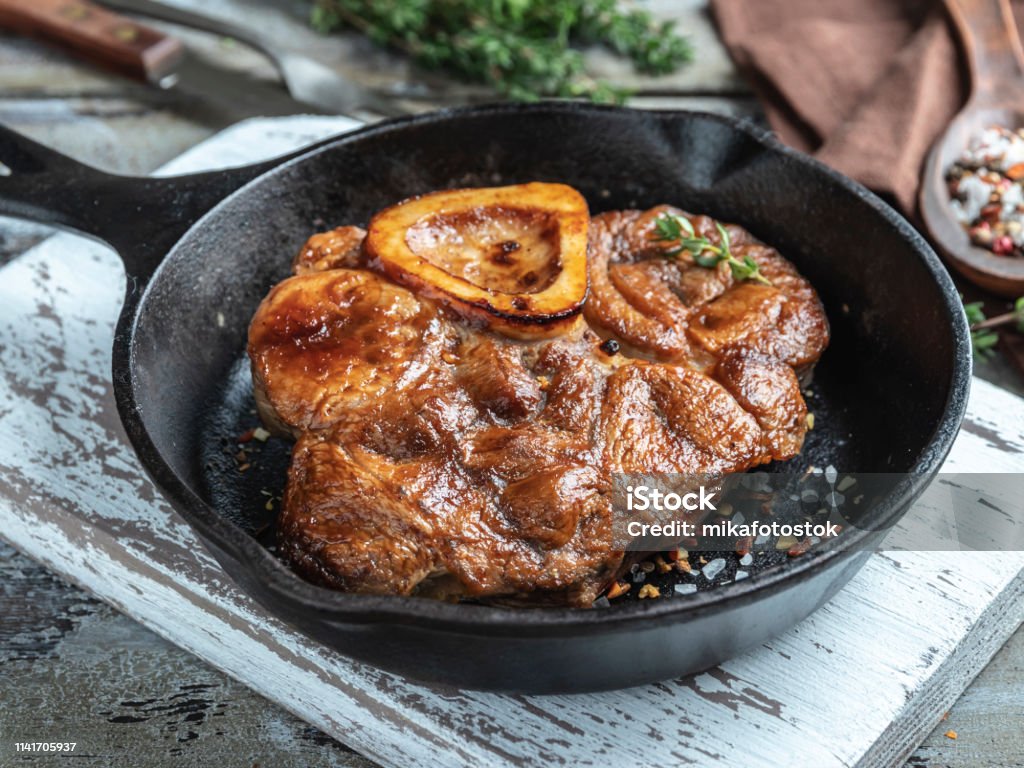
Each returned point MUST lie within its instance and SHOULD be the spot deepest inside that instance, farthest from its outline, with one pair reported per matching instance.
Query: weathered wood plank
(910, 637)
(40, 640)
(74, 669)
(987, 719)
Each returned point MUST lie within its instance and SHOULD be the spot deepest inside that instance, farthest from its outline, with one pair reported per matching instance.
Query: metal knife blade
(238, 92)
(306, 79)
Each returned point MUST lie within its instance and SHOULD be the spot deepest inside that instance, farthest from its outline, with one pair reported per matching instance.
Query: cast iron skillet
(201, 251)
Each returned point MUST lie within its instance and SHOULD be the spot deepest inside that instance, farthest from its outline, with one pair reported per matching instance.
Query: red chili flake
(991, 212)
(618, 589)
(246, 436)
(744, 545)
(1002, 245)
(800, 547)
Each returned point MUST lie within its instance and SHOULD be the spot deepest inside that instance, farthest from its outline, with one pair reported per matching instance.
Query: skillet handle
(140, 217)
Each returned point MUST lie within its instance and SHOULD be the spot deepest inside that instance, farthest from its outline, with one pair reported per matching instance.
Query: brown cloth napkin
(864, 85)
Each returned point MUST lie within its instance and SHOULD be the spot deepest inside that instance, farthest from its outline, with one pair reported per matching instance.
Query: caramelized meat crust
(671, 309)
(325, 343)
(437, 456)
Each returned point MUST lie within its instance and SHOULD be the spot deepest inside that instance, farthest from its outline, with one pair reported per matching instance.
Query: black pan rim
(338, 607)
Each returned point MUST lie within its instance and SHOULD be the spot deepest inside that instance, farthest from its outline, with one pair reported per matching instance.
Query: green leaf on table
(524, 49)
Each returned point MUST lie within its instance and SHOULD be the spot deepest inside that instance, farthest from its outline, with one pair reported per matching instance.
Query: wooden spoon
(996, 63)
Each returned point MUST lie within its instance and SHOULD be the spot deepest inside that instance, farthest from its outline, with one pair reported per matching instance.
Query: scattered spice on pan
(802, 546)
(618, 589)
(785, 542)
(245, 446)
(744, 545)
(648, 591)
(985, 190)
(713, 568)
(810, 497)
(846, 483)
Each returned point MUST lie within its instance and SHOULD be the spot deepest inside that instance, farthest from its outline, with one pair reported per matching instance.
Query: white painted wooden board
(858, 683)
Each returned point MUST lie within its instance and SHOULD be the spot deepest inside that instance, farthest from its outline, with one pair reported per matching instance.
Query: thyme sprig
(983, 337)
(672, 228)
(524, 49)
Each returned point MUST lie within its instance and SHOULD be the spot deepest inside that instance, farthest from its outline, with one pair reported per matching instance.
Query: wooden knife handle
(97, 34)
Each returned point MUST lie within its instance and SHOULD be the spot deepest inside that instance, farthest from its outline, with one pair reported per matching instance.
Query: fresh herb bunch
(670, 228)
(983, 337)
(522, 48)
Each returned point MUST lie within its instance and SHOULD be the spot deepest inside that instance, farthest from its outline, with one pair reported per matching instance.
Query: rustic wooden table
(118, 687)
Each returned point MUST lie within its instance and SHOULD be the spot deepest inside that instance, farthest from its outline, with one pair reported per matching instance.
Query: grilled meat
(457, 439)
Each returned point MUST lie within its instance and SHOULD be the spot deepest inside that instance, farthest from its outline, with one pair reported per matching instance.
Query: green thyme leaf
(983, 340)
(672, 228)
(975, 312)
(707, 259)
(982, 343)
(524, 49)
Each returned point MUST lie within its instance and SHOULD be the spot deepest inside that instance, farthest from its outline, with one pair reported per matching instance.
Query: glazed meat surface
(438, 457)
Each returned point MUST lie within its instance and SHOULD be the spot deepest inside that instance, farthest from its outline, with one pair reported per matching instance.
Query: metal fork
(307, 80)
